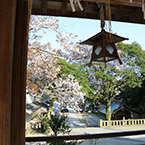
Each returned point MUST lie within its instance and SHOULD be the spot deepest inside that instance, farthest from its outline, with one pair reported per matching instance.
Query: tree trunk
(84, 104)
(50, 108)
(108, 110)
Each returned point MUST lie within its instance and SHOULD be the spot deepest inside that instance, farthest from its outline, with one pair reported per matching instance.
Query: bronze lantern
(104, 48)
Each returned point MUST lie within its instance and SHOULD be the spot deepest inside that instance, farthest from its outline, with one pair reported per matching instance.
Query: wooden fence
(115, 123)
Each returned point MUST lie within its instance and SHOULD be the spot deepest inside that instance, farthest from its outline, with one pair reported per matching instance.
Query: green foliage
(58, 123)
(134, 92)
(135, 97)
(112, 82)
(55, 123)
(109, 84)
(134, 54)
(81, 75)
(131, 50)
(44, 124)
(131, 79)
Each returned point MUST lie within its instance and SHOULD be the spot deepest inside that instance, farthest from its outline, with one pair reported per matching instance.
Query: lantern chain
(102, 18)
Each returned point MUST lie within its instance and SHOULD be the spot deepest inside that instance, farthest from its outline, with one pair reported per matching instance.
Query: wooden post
(100, 123)
(19, 74)
(7, 22)
(129, 122)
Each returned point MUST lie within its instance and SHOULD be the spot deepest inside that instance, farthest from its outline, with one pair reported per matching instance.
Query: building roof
(126, 108)
(116, 106)
(121, 10)
(33, 107)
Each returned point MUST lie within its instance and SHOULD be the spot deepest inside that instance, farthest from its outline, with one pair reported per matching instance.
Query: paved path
(91, 119)
(84, 124)
(113, 141)
(127, 140)
(83, 119)
(74, 120)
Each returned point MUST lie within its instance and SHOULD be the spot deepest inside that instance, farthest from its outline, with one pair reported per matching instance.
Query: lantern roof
(98, 37)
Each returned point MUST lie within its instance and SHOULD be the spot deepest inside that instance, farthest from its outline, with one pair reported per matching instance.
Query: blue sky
(86, 28)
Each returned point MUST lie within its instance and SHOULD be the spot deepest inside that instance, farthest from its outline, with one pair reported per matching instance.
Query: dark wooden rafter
(137, 14)
(118, 12)
(135, 3)
(44, 6)
(64, 7)
(85, 6)
(121, 10)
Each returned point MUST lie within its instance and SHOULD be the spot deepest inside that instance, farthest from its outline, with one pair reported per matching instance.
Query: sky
(86, 28)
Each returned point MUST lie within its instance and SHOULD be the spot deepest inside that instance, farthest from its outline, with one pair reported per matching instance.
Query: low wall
(115, 123)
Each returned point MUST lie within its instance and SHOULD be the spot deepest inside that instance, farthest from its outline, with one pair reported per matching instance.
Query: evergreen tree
(134, 95)
(81, 75)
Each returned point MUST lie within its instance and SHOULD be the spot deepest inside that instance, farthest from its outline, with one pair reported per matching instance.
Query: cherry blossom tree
(73, 51)
(42, 72)
(40, 25)
(68, 49)
(67, 91)
(41, 67)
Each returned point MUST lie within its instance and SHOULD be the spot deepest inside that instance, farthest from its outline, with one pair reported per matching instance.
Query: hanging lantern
(104, 48)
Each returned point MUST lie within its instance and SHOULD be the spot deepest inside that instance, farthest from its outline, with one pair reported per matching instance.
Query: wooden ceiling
(121, 10)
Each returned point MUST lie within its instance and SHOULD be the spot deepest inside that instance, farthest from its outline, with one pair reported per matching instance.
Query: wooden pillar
(13, 59)
(7, 23)
(19, 74)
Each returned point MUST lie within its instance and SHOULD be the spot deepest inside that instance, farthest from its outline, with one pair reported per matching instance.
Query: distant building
(40, 106)
(33, 108)
(120, 110)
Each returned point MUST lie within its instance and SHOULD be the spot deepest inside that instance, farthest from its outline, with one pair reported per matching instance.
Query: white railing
(115, 123)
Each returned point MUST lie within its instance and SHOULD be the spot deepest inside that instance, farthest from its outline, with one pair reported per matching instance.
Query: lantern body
(104, 48)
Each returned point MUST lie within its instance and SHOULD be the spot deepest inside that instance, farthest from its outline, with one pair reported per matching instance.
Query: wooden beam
(94, 16)
(135, 3)
(85, 6)
(86, 136)
(7, 23)
(118, 13)
(44, 6)
(136, 14)
(19, 74)
(64, 7)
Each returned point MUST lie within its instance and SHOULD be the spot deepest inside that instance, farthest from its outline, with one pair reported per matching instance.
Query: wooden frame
(7, 23)
(79, 137)
(13, 59)
(19, 74)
